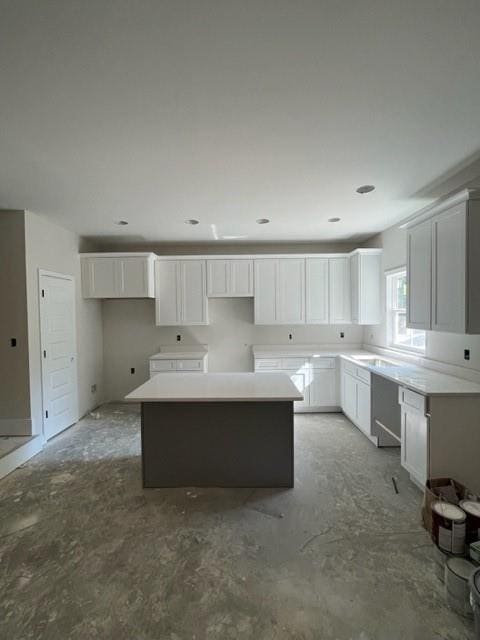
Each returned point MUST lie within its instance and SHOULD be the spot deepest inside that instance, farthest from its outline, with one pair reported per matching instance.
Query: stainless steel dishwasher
(386, 413)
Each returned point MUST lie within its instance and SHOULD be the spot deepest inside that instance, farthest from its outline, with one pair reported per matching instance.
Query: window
(399, 336)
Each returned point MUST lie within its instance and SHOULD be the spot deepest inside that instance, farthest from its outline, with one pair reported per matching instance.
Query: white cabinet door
(193, 292)
(218, 278)
(167, 292)
(449, 270)
(134, 277)
(363, 407)
(316, 290)
(241, 278)
(355, 287)
(350, 396)
(414, 445)
(339, 291)
(323, 388)
(291, 291)
(102, 275)
(265, 302)
(300, 380)
(419, 276)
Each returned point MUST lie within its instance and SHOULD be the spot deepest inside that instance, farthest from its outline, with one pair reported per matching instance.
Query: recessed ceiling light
(191, 221)
(366, 188)
(334, 219)
(121, 223)
(263, 221)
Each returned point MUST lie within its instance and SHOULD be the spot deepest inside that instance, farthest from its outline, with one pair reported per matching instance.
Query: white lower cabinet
(356, 400)
(323, 388)
(414, 437)
(316, 378)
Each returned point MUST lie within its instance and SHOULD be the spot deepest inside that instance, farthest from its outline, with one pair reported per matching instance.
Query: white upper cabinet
(449, 270)
(317, 304)
(280, 291)
(443, 266)
(265, 302)
(180, 292)
(365, 278)
(419, 275)
(291, 291)
(230, 278)
(339, 291)
(116, 275)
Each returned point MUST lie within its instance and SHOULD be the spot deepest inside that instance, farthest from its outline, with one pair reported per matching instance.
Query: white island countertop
(217, 387)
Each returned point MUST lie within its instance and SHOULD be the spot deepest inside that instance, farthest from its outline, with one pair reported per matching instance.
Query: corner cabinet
(443, 265)
(117, 275)
(365, 277)
(180, 292)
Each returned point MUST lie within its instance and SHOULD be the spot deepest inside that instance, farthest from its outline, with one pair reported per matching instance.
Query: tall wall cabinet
(443, 265)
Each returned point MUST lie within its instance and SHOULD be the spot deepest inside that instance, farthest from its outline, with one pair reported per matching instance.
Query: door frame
(61, 276)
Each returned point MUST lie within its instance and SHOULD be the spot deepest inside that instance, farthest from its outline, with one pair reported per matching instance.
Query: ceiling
(227, 111)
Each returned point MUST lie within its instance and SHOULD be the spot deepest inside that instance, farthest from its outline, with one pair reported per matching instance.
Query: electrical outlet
(13, 342)
(179, 337)
(342, 334)
(290, 336)
(466, 354)
(132, 370)
(93, 388)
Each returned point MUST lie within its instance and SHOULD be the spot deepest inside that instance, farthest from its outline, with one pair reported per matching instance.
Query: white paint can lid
(471, 507)
(449, 511)
(461, 567)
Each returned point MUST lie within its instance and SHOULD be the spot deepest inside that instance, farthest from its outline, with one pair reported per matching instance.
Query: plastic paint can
(474, 583)
(472, 509)
(457, 574)
(448, 527)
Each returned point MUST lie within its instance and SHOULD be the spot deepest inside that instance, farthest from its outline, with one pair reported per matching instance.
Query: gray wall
(14, 387)
(442, 347)
(53, 248)
(207, 248)
(130, 337)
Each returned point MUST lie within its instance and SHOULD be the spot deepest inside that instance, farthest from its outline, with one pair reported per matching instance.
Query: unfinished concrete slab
(85, 552)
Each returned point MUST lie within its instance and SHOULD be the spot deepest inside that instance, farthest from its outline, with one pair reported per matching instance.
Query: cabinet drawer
(294, 363)
(323, 363)
(189, 365)
(268, 364)
(363, 374)
(412, 400)
(162, 365)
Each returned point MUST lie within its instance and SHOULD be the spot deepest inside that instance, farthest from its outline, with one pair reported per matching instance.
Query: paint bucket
(457, 574)
(448, 527)
(440, 558)
(475, 600)
(474, 551)
(472, 509)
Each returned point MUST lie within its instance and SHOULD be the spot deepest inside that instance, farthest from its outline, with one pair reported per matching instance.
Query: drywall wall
(53, 248)
(130, 337)
(442, 347)
(206, 248)
(14, 390)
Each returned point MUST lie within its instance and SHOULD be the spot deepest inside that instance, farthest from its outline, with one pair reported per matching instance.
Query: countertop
(428, 382)
(181, 351)
(213, 387)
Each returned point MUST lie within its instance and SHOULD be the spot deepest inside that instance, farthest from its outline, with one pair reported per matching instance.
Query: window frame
(392, 313)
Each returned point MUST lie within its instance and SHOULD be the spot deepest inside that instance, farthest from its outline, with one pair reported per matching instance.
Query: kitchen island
(217, 429)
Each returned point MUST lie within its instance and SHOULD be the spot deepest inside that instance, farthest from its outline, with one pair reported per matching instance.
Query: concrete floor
(86, 553)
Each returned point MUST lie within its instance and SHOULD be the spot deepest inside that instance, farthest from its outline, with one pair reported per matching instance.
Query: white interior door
(58, 352)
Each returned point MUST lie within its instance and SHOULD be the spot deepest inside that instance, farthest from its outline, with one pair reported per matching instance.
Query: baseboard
(19, 456)
(15, 427)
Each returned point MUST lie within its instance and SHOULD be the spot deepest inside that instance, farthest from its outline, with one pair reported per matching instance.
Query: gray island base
(217, 430)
